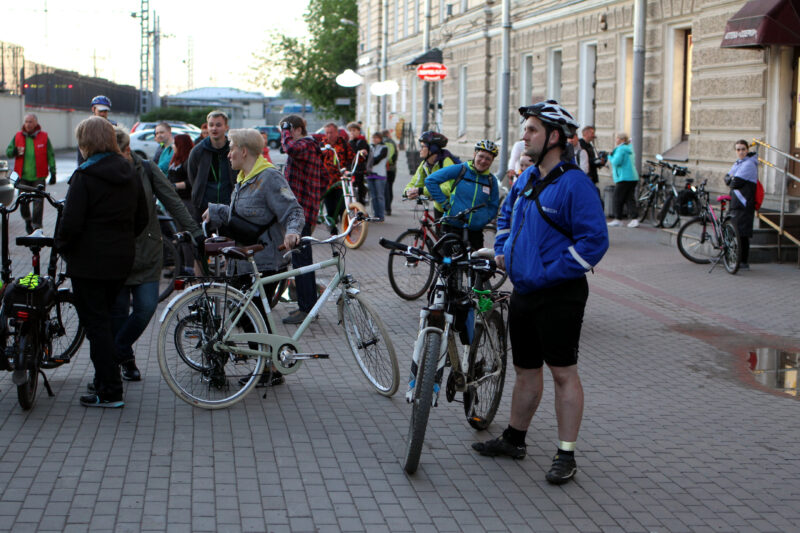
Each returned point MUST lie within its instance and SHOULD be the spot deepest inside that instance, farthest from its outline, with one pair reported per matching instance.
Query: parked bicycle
(39, 326)
(214, 343)
(349, 209)
(710, 239)
(652, 193)
(461, 300)
(678, 202)
(410, 277)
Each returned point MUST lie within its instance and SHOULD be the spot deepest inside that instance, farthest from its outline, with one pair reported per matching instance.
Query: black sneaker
(129, 371)
(563, 469)
(499, 446)
(93, 400)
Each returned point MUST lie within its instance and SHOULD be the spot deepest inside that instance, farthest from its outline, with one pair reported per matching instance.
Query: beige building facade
(699, 98)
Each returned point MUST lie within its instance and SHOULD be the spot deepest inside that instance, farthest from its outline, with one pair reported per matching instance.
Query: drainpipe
(637, 113)
(504, 88)
(384, 61)
(487, 68)
(426, 45)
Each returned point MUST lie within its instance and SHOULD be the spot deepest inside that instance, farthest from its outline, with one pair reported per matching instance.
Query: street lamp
(349, 78)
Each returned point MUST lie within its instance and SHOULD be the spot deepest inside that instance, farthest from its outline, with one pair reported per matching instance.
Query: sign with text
(432, 72)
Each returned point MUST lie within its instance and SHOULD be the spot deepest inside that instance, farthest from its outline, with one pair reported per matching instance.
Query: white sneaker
(614, 222)
(633, 223)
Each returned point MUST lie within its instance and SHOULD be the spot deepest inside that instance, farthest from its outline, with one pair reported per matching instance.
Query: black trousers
(624, 194)
(93, 302)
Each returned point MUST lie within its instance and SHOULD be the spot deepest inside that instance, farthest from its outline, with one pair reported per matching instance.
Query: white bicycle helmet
(552, 113)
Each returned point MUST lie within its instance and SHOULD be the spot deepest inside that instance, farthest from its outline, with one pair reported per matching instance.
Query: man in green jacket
(34, 159)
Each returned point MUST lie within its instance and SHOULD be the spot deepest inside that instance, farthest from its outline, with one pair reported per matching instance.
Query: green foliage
(309, 67)
(196, 116)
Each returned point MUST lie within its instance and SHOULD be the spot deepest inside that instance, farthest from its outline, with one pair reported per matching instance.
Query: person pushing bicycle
(470, 184)
(550, 232)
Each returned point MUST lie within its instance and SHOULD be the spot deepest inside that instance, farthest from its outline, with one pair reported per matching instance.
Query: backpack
(759, 195)
(687, 203)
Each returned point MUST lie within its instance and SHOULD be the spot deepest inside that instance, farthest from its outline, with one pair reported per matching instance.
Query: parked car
(6, 187)
(144, 144)
(273, 135)
(178, 124)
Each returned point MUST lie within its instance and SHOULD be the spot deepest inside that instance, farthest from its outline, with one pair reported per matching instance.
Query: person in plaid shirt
(341, 157)
(308, 180)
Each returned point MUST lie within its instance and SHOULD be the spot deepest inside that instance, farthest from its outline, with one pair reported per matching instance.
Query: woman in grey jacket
(261, 196)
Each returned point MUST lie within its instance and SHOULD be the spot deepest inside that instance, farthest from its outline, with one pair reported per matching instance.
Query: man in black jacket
(209, 169)
(587, 143)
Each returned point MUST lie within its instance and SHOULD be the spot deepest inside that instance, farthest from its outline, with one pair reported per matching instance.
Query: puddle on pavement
(776, 369)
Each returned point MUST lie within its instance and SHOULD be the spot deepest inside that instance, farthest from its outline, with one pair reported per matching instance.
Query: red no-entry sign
(431, 72)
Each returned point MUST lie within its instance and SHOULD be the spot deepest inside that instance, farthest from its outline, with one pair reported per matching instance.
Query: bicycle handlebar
(411, 251)
(28, 192)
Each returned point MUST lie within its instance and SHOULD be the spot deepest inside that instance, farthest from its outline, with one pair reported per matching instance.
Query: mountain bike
(652, 193)
(671, 212)
(214, 342)
(710, 239)
(358, 235)
(39, 326)
(410, 277)
(461, 301)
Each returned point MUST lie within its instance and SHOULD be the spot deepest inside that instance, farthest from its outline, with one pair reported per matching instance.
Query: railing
(786, 177)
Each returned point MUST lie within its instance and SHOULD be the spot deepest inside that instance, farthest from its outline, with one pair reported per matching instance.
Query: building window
(405, 18)
(687, 82)
(554, 75)
(462, 101)
(526, 80)
(587, 84)
(416, 16)
(464, 6)
(368, 38)
(396, 20)
(626, 91)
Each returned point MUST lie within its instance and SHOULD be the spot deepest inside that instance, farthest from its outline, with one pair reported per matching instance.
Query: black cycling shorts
(545, 325)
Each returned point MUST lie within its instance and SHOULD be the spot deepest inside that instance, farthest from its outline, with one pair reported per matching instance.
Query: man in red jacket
(34, 160)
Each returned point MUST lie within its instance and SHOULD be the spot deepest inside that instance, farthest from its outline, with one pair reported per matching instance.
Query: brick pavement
(676, 435)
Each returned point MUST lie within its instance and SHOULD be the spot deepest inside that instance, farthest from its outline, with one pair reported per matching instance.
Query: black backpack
(688, 205)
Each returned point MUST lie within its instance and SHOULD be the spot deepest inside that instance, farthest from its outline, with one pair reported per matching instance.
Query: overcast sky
(85, 35)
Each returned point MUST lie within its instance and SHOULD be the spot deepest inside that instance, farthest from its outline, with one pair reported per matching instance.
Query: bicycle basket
(688, 204)
(32, 294)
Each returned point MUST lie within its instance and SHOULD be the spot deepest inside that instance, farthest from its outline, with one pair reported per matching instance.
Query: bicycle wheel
(27, 378)
(196, 371)
(487, 355)
(66, 336)
(695, 241)
(370, 343)
(172, 266)
(731, 247)
(359, 233)
(422, 401)
(669, 217)
(645, 205)
(410, 278)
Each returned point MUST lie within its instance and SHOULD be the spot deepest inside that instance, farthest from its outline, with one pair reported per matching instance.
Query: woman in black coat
(104, 211)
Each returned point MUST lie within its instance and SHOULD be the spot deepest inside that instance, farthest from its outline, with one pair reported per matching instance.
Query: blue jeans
(306, 284)
(377, 193)
(127, 324)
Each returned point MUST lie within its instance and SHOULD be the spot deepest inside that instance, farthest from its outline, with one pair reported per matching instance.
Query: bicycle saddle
(483, 253)
(35, 239)
(724, 198)
(215, 245)
(241, 252)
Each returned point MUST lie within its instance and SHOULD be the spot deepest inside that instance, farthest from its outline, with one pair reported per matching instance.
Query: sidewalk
(678, 435)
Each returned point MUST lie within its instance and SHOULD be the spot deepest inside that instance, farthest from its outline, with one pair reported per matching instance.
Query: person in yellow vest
(34, 161)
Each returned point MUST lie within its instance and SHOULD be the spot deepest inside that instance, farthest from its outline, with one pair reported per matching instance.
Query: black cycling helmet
(553, 116)
(435, 140)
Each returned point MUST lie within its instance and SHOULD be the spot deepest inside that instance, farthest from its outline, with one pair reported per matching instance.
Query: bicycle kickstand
(46, 384)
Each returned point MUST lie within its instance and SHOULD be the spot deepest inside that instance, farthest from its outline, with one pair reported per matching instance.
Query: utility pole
(156, 60)
(144, 56)
(190, 65)
(504, 88)
(637, 112)
(426, 45)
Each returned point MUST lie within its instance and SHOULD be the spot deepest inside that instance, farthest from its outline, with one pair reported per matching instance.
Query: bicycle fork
(418, 347)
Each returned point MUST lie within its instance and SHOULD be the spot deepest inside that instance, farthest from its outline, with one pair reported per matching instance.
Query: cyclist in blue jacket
(472, 184)
(550, 232)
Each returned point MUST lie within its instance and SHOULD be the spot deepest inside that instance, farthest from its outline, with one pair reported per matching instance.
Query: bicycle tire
(359, 234)
(422, 401)
(171, 266)
(644, 205)
(410, 278)
(731, 247)
(26, 392)
(198, 374)
(695, 241)
(489, 342)
(669, 216)
(370, 343)
(67, 337)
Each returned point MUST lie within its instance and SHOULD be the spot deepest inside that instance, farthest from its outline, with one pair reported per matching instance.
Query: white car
(144, 144)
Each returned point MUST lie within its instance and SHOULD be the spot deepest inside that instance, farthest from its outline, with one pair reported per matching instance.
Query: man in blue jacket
(472, 184)
(550, 232)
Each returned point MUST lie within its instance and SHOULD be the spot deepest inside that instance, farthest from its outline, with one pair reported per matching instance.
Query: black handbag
(243, 231)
